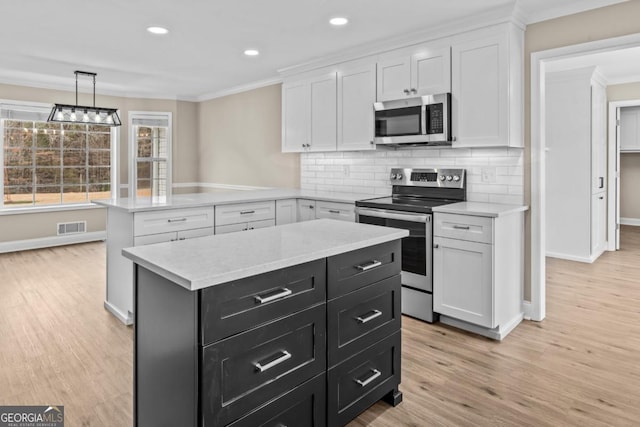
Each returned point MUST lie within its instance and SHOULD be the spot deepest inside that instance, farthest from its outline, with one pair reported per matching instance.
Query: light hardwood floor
(580, 366)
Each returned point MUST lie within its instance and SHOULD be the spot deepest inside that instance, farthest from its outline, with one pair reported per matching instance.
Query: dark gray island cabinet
(296, 325)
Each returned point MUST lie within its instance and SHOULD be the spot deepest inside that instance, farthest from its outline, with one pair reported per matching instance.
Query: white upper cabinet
(630, 129)
(356, 95)
(425, 71)
(323, 91)
(487, 89)
(296, 116)
(309, 114)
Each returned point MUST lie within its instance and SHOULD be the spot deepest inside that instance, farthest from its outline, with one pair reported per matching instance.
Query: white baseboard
(527, 310)
(630, 221)
(127, 319)
(47, 242)
(217, 185)
(497, 333)
(588, 260)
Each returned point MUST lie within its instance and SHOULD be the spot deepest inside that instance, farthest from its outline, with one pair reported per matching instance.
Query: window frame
(40, 107)
(132, 188)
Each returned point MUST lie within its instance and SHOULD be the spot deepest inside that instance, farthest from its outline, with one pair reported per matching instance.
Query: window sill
(43, 209)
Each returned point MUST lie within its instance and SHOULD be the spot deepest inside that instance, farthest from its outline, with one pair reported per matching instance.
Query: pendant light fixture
(82, 114)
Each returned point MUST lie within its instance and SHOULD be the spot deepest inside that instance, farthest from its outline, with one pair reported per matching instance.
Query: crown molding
(238, 89)
(569, 9)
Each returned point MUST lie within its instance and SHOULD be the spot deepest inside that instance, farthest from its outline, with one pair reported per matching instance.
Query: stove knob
(449, 177)
(399, 176)
(442, 178)
(456, 178)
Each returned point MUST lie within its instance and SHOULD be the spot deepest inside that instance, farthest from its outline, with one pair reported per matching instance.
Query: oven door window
(414, 247)
(399, 122)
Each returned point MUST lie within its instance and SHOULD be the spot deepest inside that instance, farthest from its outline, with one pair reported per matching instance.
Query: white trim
(527, 309)
(127, 319)
(567, 9)
(48, 208)
(47, 242)
(497, 333)
(568, 257)
(630, 221)
(538, 220)
(217, 185)
(614, 174)
(239, 89)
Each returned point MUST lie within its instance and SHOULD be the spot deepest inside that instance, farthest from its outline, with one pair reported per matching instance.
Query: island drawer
(232, 307)
(353, 270)
(463, 227)
(362, 380)
(362, 318)
(155, 222)
(304, 406)
(244, 372)
(245, 212)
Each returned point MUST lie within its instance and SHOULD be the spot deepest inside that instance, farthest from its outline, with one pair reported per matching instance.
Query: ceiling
(44, 41)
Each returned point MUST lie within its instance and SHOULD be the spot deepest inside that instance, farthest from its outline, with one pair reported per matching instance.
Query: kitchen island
(295, 325)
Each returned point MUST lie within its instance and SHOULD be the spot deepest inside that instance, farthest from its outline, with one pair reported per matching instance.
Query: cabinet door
(306, 210)
(479, 92)
(463, 280)
(629, 132)
(394, 78)
(296, 116)
(323, 92)
(261, 224)
(192, 234)
(231, 228)
(356, 95)
(431, 71)
(286, 211)
(150, 239)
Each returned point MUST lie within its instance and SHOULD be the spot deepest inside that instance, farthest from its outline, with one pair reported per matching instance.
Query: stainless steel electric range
(414, 193)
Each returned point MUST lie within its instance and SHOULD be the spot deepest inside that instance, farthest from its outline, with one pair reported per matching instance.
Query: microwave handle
(423, 120)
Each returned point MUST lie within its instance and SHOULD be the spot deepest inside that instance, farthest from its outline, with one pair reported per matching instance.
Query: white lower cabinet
(478, 271)
(306, 209)
(286, 211)
(244, 226)
(172, 237)
(335, 210)
(464, 280)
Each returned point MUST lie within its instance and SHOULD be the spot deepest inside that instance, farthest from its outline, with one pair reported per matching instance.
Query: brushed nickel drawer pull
(333, 211)
(262, 300)
(376, 313)
(461, 227)
(246, 212)
(285, 356)
(366, 267)
(368, 381)
(176, 219)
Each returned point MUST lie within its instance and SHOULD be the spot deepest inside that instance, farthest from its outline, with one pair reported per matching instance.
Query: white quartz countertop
(228, 197)
(206, 261)
(492, 210)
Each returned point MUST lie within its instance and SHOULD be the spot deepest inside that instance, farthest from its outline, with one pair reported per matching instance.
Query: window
(150, 168)
(52, 163)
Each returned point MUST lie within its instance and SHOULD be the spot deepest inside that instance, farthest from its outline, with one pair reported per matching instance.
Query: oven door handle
(404, 216)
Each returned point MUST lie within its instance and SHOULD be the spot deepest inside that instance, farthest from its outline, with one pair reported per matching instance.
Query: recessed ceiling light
(157, 30)
(338, 21)
(251, 52)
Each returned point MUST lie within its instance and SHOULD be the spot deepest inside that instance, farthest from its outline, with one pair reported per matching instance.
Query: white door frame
(614, 172)
(538, 184)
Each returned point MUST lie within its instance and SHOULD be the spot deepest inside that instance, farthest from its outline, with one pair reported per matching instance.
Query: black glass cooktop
(404, 203)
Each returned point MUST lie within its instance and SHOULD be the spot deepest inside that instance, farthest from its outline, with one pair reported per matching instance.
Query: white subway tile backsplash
(367, 172)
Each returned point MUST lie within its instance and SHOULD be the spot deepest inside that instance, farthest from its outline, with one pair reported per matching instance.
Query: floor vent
(72, 227)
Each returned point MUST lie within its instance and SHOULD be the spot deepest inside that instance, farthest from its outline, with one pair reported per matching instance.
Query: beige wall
(629, 162)
(607, 22)
(239, 141)
(40, 225)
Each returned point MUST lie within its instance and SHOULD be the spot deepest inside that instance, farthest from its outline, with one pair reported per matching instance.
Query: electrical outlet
(489, 175)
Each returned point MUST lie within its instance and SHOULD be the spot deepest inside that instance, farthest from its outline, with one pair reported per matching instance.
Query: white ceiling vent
(72, 227)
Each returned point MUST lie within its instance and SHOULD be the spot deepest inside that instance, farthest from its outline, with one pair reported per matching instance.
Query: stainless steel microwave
(423, 120)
